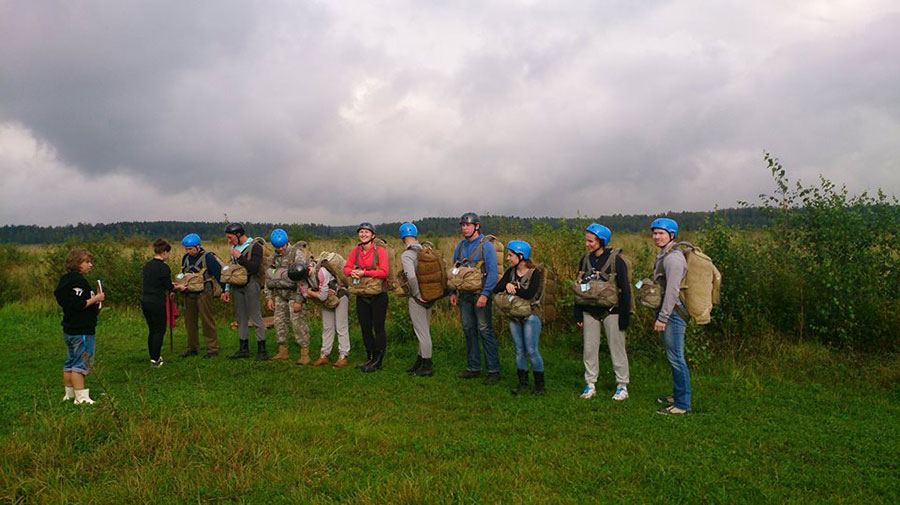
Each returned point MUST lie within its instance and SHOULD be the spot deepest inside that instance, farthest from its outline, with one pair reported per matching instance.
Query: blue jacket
(466, 250)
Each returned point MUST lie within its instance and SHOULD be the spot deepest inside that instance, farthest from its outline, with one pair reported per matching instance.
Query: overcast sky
(337, 112)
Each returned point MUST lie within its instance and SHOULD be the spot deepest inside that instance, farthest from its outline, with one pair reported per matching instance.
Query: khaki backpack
(431, 274)
(700, 287)
(195, 277)
(370, 286)
(236, 274)
(543, 305)
(464, 276)
(598, 288)
(333, 263)
(277, 278)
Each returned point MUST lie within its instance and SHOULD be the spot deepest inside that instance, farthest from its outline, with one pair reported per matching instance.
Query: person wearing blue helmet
(198, 307)
(284, 296)
(668, 271)
(419, 309)
(523, 280)
(475, 307)
(605, 264)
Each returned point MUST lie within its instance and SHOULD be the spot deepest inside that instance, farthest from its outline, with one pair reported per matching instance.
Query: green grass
(806, 425)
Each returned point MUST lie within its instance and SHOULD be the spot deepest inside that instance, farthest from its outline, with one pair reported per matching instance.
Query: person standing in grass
(598, 264)
(198, 306)
(475, 308)
(523, 280)
(419, 309)
(80, 309)
(249, 254)
(157, 286)
(371, 310)
(670, 268)
(284, 297)
(335, 304)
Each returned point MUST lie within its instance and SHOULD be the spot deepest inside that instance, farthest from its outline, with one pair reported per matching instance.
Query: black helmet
(366, 226)
(297, 272)
(234, 228)
(469, 218)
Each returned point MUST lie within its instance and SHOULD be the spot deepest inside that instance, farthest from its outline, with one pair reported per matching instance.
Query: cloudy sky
(339, 111)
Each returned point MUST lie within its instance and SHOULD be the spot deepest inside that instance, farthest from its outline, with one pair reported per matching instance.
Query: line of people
(291, 276)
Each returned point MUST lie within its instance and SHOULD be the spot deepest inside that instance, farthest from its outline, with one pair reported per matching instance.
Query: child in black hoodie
(80, 308)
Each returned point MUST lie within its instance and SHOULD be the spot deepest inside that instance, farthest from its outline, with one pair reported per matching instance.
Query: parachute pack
(598, 288)
(431, 274)
(464, 276)
(699, 290)
(333, 263)
(543, 305)
(234, 273)
(277, 277)
(370, 286)
(195, 277)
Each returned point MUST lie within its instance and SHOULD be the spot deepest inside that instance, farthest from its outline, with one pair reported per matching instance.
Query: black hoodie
(72, 294)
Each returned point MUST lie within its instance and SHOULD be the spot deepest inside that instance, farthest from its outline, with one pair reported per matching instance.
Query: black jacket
(72, 294)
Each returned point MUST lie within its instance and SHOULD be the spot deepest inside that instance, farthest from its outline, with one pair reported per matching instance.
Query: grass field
(807, 425)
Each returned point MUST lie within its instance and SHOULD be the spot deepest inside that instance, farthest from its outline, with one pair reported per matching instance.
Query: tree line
(431, 226)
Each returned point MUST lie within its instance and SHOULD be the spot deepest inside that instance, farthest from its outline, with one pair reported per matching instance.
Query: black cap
(234, 228)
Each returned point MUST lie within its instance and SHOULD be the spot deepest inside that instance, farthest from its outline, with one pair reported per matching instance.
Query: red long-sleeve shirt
(365, 262)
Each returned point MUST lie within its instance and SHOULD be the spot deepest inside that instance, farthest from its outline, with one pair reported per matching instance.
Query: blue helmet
(278, 238)
(521, 248)
(408, 230)
(664, 223)
(602, 232)
(191, 240)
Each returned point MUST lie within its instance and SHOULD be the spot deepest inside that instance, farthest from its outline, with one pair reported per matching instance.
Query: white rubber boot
(82, 396)
(70, 393)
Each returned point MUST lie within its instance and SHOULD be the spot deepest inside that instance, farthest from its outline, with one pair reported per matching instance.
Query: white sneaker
(83, 396)
(70, 394)
(157, 363)
(621, 394)
(589, 391)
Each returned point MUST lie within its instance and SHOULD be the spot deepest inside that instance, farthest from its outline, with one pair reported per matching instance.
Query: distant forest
(430, 226)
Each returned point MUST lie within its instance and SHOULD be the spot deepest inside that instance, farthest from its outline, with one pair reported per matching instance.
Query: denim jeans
(673, 342)
(79, 353)
(477, 322)
(525, 335)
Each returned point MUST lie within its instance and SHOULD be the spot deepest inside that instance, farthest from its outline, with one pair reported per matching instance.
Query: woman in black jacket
(80, 308)
(157, 286)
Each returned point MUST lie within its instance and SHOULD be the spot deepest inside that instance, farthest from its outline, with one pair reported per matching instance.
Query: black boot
(243, 352)
(375, 364)
(368, 360)
(416, 366)
(426, 370)
(539, 383)
(261, 354)
(523, 382)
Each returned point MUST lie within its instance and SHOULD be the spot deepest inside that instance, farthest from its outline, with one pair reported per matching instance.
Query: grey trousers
(246, 308)
(421, 321)
(336, 320)
(616, 340)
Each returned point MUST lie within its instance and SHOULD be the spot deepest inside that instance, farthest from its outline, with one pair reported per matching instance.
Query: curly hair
(76, 257)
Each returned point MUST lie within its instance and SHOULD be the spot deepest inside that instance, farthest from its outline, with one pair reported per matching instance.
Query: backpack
(464, 276)
(699, 290)
(328, 261)
(277, 278)
(370, 286)
(598, 288)
(543, 305)
(547, 298)
(431, 274)
(196, 277)
(334, 263)
(234, 273)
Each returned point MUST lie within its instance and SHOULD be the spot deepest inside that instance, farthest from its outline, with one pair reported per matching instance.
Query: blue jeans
(525, 335)
(477, 322)
(673, 342)
(79, 353)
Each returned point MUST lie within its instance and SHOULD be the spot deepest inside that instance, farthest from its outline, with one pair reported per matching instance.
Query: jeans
(525, 334)
(673, 342)
(79, 353)
(477, 322)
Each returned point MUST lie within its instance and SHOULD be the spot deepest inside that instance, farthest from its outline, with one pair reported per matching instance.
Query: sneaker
(589, 391)
(156, 363)
(621, 394)
(469, 374)
(666, 400)
(672, 410)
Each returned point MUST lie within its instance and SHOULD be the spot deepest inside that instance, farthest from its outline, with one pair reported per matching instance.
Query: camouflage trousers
(284, 312)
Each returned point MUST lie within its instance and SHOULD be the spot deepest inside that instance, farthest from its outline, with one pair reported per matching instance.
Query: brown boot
(282, 353)
(321, 361)
(304, 356)
(341, 362)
